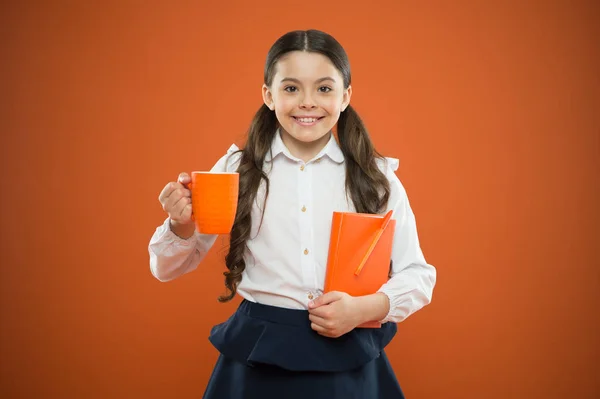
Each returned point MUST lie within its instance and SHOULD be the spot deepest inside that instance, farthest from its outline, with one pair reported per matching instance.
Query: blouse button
(303, 209)
(310, 296)
(301, 167)
(306, 252)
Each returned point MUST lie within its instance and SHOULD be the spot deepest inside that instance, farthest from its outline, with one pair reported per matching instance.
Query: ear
(346, 98)
(268, 97)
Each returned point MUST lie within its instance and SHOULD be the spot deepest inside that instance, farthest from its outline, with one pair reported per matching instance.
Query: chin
(306, 135)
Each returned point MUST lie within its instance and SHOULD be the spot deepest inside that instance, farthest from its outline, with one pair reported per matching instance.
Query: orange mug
(214, 201)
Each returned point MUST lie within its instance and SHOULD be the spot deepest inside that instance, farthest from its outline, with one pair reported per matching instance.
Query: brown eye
(290, 89)
(325, 89)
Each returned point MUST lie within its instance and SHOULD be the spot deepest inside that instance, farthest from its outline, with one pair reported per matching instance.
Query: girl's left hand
(334, 314)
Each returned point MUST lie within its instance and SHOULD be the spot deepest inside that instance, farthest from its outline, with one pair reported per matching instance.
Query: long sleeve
(411, 286)
(172, 256)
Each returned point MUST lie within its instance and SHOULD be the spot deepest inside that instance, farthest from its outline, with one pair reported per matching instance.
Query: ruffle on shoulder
(229, 162)
(388, 164)
(232, 149)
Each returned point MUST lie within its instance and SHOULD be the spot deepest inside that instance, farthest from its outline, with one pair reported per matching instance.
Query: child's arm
(172, 255)
(413, 279)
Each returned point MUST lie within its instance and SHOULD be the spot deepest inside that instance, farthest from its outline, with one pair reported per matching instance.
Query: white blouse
(287, 257)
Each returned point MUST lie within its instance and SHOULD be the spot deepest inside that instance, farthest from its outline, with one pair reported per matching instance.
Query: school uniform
(267, 348)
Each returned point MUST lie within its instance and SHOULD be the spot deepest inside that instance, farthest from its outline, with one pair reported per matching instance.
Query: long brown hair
(365, 183)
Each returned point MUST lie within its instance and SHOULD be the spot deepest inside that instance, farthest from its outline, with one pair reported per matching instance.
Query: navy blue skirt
(269, 352)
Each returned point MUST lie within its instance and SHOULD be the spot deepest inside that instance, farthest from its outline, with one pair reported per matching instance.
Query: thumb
(325, 299)
(184, 178)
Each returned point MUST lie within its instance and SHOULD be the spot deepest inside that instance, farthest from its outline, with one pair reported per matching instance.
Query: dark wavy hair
(368, 187)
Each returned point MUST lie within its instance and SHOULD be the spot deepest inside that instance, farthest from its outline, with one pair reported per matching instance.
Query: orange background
(491, 108)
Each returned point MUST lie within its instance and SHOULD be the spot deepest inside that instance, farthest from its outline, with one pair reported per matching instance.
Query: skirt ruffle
(266, 350)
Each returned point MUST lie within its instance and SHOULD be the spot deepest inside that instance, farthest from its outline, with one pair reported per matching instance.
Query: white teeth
(306, 120)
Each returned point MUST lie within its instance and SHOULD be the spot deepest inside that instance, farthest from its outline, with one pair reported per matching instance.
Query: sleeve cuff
(395, 314)
(165, 233)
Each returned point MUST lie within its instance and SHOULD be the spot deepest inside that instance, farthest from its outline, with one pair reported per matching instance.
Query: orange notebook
(360, 252)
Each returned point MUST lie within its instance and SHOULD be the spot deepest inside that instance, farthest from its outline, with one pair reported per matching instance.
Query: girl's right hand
(176, 200)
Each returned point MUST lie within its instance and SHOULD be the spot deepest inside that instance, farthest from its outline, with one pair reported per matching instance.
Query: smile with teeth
(307, 121)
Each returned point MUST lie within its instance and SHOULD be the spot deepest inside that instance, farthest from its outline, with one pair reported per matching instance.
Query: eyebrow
(298, 81)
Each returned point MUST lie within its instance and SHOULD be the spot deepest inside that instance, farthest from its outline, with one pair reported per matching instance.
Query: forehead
(305, 66)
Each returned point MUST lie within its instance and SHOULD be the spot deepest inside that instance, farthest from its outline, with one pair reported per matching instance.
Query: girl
(287, 339)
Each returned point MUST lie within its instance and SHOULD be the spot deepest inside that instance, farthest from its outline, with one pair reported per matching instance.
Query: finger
(179, 207)
(331, 334)
(325, 299)
(184, 178)
(321, 330)
(320, 321)
(175, 197)
(186, 214)
(323, 312)
(167, 191)
(325, 332)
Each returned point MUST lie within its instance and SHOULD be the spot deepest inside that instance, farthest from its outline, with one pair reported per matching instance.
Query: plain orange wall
(491, 108)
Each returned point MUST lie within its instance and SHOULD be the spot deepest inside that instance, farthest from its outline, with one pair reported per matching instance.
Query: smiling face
(307, 94)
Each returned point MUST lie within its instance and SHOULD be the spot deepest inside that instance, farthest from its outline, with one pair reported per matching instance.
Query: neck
(303, 150)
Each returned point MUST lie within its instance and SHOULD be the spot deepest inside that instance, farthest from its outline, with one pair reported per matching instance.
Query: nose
(307, 102)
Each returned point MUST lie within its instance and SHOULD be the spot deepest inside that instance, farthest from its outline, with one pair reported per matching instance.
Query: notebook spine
(338, 219)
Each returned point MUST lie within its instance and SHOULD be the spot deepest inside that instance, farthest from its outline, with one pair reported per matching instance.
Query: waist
(274, 314)
(289, 297)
